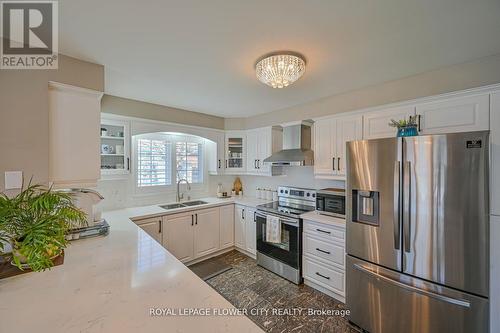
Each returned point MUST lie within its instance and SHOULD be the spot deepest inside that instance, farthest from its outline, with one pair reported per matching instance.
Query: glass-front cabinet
(235, 151)
(115, 151)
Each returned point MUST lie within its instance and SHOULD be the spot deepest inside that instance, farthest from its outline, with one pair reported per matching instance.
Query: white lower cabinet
(179, 235)
(226, 226)
(195, 234)
(239, 227)
(251, 232)
(206, 232)
(324, 258)
(152, 226)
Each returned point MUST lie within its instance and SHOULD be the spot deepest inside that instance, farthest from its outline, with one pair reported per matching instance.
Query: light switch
(13, 180)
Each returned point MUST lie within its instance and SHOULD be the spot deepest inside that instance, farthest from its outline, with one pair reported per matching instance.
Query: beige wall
(134, 108)
(24, 113)
(472, 74)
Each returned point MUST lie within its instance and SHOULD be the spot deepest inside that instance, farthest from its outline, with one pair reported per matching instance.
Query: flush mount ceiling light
(280, 69)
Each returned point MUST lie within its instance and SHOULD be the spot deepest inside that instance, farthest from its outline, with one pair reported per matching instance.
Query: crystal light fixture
(279, 70)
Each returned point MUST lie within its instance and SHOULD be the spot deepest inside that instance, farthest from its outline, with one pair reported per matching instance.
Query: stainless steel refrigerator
(417, 233)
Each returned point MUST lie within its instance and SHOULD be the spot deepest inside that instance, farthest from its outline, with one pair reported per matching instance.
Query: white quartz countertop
(110, 284)
(155, 210)
(316, 217)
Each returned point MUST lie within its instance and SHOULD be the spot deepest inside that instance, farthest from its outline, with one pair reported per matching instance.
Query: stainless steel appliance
(331, 201)
(417, 233)
(284, 258)
(296, 146)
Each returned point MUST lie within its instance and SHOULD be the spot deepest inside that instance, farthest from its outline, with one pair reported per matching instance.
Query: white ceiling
(199, 55)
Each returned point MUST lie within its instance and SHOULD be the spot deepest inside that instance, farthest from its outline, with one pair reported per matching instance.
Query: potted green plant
(35, 223)
(406, 127)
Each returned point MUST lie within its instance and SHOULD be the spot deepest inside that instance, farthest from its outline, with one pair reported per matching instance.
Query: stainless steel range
(285, 257)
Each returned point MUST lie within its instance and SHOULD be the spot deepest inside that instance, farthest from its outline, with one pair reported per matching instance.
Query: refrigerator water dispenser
(365, 207)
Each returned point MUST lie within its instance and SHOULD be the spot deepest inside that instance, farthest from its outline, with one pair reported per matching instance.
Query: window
(188, 161)
(153, 163)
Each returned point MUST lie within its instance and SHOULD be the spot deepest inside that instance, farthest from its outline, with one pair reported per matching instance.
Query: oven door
(288, 251)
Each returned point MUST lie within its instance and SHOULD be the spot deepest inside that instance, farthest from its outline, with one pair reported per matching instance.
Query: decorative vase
(407, 131)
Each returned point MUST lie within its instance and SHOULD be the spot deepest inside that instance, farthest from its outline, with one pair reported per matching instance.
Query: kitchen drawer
(330, 251)
(327, 277)
(325, 231)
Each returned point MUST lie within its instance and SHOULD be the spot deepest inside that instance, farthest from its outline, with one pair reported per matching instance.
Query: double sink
(184, 204)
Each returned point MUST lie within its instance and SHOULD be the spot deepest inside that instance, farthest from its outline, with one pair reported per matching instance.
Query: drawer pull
(323, 231)
(320, 250)
(324, 277)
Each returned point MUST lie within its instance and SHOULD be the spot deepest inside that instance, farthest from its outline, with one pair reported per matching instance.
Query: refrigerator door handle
(397, 229)
(455, 301)
(406, 205)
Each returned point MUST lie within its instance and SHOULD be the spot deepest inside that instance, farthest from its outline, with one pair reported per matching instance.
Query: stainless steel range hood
(296, 146)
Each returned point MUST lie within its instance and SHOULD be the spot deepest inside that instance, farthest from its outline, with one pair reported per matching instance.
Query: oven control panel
(297, 193)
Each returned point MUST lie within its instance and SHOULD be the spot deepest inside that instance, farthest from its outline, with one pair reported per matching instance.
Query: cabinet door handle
(338, 163)
(219, 164)
(243, 214)
(254, 217)
(258, 164)
(255, 164)
(323, 231)
(333, 163)
(128, 163)
(419, 117)
(324, 277)
(320, 250)
(196, 219)
(192, 220)
(159, 226)
(226, 164)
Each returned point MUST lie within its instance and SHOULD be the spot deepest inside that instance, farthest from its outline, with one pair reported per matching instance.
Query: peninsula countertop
(111, 284)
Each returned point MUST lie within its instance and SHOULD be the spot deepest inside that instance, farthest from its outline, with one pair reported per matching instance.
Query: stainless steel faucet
(180, 196)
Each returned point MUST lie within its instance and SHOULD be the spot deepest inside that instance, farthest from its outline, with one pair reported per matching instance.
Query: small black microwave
(331, 201)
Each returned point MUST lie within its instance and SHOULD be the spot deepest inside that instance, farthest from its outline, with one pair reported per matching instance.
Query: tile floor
(248, 286)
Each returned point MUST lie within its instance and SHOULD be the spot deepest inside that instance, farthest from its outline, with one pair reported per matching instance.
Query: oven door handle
(283, 220)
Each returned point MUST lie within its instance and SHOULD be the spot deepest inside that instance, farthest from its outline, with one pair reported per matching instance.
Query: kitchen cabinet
(215, 150)
(153, 227)
(239, 227)
(74, 119)
(495, 154)
(179, 235)
(324, 258)
(115, 147)
(330, 137)
(453, 115)
(235, 152)
(226, 226)
(250, 231)
(206, 231)
(262, 143)
(376, 123)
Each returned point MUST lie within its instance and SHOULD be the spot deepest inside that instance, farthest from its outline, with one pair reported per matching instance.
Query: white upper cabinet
(324, 149)
(330, 137)
(376, 123)
(215, 150)
(115, 146)
(262, 143)
(452, 115)
(221, 156)
(495, 154)
(235, 154)
(74, 138)
(348, 129)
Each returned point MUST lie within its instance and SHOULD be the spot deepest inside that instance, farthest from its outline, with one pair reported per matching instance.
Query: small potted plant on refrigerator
(406, 127)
